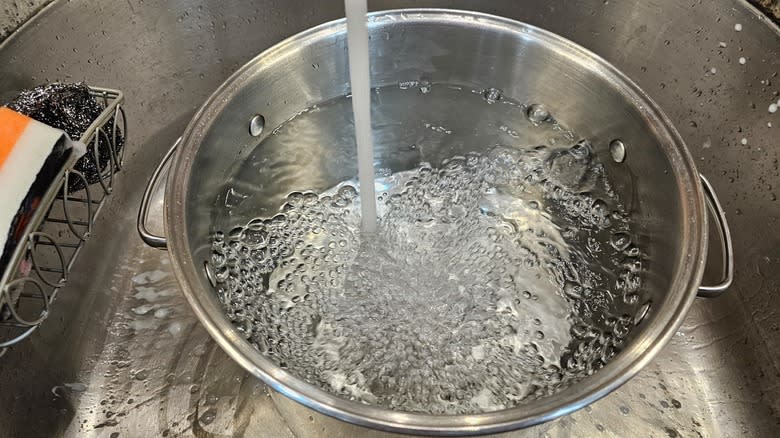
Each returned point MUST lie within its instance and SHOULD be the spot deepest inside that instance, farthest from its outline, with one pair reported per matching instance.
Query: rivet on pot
(210, 274)
(644, 309)
(256, 125)
(618, 150)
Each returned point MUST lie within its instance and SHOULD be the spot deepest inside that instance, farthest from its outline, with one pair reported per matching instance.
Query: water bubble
(631, 298)
(620, 241)
(581, 150)
(572, 289)
(600, 213)
(348, 192)
(492, 95)
(254, 237)
(460, 258)
(405, 85)
(310, 199)
(222, 274)
(234, 235)
(218, 259)
(208, 417)
(537, 113)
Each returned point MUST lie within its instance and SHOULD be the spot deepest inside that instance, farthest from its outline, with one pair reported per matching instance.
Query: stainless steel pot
(657, 177)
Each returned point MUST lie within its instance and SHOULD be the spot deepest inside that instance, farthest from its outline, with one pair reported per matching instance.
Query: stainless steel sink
(123, 356)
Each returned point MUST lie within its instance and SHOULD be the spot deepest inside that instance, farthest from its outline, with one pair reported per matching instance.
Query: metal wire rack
(40, 265)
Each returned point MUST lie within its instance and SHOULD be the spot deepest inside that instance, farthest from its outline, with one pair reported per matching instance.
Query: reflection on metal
(727, 250)
(41, 263)
(153, 240)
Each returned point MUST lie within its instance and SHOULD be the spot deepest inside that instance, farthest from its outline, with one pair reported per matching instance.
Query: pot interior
(448, 85)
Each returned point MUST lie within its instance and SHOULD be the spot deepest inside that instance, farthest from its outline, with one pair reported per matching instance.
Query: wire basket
(41, 263)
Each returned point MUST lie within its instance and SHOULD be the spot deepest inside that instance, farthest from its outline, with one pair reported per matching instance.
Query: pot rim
(620, 369)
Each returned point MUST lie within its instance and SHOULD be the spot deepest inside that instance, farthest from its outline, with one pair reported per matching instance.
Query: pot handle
(153, 240)
(725, 237)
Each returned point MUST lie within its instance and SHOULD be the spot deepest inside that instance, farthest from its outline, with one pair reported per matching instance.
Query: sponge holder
(40, 264)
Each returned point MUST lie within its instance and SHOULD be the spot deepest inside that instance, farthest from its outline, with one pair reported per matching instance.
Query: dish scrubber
(32, 155)
(71, 108)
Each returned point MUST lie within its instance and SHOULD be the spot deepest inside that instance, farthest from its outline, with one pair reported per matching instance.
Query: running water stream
(360, 81)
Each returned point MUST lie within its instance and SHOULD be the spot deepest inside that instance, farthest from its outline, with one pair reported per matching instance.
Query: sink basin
(122, 355)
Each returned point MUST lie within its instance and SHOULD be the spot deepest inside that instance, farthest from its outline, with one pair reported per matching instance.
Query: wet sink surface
(122, 355)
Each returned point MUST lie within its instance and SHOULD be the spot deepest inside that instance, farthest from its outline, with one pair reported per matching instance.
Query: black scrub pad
(71, 108)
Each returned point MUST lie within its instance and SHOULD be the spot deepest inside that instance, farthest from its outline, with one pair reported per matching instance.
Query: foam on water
(492, 279)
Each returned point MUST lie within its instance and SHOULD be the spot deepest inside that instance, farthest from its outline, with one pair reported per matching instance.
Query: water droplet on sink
(175, 328)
